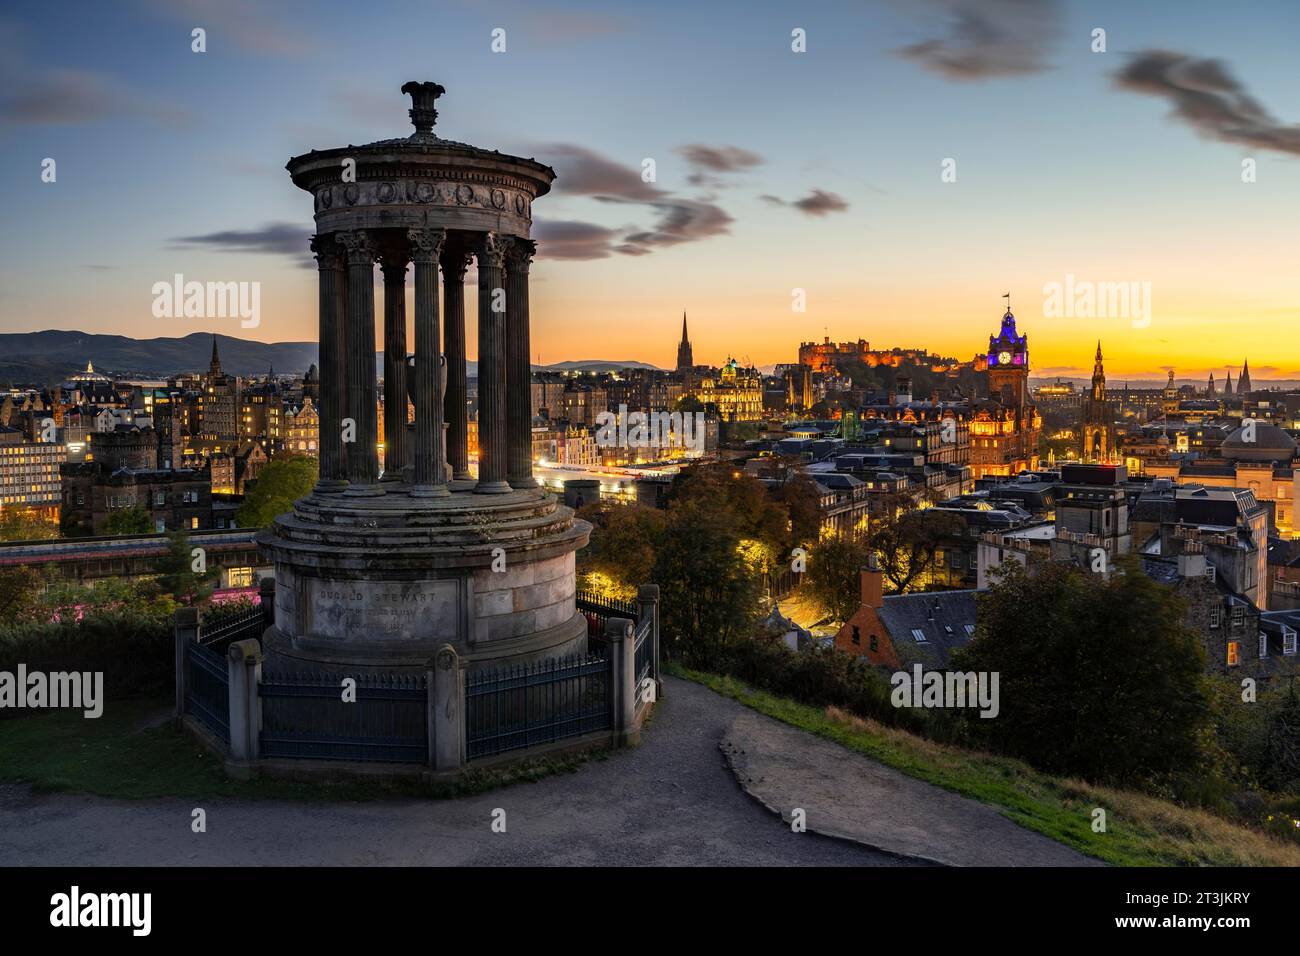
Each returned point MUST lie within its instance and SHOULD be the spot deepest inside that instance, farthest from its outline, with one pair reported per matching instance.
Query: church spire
(1243, 383)
(1098, 377)
(685, 359)
(214, 367)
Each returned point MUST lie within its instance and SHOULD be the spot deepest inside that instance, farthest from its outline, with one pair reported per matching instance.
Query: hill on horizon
(54, 354)
(51, 356)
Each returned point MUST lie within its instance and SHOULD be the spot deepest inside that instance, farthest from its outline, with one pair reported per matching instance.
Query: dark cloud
(680, 220)
(67, 97)
(1208, 98)
(569, 239)
(281, 238)
(709, 160)
(988, 38)
(584, 172)
(816, 203)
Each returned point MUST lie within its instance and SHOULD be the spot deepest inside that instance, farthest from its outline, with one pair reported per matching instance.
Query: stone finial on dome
(423, 112)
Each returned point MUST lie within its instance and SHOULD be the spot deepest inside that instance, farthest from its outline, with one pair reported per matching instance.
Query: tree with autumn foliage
(905, 538)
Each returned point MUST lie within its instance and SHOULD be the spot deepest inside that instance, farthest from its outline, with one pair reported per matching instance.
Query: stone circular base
(383, 582)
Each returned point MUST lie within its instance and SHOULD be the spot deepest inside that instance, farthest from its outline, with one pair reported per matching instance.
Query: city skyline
(763, 184)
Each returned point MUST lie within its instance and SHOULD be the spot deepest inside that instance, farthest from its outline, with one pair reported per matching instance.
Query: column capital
(393, 266)
(326, 251)
(519, 253)
(357, 247)
(426, 244)
(455, 259)
(490, 250)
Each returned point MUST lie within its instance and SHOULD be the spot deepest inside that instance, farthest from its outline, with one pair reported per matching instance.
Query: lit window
(1233, 660)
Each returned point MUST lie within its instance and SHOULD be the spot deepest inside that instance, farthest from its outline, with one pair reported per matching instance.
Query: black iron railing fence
(644, 655)
(392, 718)
(597, 610)
(385, 717)
(218, 630)
(207, 694)
(515, 707)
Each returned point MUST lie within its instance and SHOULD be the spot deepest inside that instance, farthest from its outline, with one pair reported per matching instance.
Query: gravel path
(672, 801)
(847, 795)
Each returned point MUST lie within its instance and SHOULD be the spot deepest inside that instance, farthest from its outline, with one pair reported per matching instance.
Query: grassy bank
(1140, 830)
(128, 753)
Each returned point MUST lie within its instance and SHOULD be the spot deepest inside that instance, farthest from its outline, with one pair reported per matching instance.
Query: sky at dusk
(776, 170)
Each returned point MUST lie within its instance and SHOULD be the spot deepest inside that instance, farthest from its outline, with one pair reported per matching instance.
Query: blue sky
(1060, 168)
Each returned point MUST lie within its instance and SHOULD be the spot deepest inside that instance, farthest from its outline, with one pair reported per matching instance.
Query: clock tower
(1008, 366)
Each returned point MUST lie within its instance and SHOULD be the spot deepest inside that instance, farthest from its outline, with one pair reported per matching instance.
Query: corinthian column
(332, 349)
(490, 254)
(519, 399)
(362, 391)
(396, 454)
(455, 260)
(430, 469)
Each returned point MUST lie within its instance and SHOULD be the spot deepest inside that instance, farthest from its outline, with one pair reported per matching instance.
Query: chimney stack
(872, 583)
(1191, 563)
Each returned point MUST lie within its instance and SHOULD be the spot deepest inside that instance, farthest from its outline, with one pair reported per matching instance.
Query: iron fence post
(244, 671)
(622, 675)
(648, 607)
(447, 710)
(185, 623)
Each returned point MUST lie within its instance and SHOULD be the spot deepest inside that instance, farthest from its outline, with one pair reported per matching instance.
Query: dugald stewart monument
(384, 572)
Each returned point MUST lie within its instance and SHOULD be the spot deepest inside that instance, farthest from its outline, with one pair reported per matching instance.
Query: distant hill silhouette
(593, 365)
(53, 355)
(49, 357)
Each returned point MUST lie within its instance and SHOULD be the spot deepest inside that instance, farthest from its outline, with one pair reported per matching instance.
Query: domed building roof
(1271, 444)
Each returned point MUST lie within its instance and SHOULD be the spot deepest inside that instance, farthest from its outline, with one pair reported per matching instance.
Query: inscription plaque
(384, 610)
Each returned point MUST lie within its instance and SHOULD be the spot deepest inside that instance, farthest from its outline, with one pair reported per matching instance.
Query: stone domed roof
(1271, 444)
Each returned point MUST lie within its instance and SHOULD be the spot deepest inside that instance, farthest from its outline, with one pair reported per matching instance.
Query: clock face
(1004, 358)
